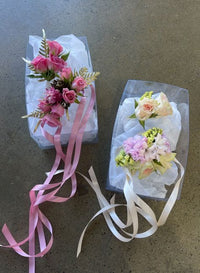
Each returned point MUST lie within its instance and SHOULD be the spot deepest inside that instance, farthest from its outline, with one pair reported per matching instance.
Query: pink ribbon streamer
(37, 220)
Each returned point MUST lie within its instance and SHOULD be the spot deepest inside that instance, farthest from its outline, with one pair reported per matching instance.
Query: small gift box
(78, 57)
(61, 108)
(171, 115)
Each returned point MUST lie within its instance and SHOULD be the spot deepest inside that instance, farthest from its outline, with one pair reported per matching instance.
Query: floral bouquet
(146, 154)
(65, 86)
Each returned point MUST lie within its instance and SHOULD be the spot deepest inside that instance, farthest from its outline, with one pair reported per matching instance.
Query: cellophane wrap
(79, 57)
(175, 128)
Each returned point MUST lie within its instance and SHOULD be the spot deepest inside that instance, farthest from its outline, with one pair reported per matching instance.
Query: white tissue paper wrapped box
(175, 128)
(79, 57)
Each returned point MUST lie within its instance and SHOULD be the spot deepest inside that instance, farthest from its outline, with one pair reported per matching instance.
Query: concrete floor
(131, 39)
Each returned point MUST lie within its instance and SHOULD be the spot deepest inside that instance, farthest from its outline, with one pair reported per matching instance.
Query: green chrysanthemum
(147, 94)
(151, 134)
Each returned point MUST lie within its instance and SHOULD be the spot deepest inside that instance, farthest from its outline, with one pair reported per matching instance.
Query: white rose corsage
(147, 107)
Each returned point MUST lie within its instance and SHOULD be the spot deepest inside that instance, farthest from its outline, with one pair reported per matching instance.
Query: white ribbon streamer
(134, 205)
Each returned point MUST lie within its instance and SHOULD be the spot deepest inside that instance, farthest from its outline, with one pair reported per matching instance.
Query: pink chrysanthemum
(136, 146)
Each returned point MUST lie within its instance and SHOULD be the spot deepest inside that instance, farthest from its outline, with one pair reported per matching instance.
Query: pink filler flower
(53, 95)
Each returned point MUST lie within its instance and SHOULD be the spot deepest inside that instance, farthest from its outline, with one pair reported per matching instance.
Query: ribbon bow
(134, 206)
(37, 220)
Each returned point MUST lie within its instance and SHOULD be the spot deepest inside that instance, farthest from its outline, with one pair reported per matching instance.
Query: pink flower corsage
(146, 153)
(65, 86)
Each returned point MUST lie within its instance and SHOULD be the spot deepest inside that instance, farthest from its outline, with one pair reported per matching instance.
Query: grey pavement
(132, 39)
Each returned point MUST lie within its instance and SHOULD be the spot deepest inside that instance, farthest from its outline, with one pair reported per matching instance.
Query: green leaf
(41, 52)
(65, 56)
(34, 76)
(133, 116)
(77, 101)
(153, 115)
(136, 104)
(80, 94)
(157, 162)
(48, 75)
(142, 122)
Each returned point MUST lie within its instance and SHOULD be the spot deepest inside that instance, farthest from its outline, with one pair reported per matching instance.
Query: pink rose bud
(69, 95)
(44, 106)
(58, 110)
(53, 95)
(54, 48)
(147, 172)
(66, 73)
(40, 64)
(56, 64)
(79, 83)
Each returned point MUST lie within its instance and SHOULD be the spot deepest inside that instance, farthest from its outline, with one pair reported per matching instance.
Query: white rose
(146, 107)
(164, 107)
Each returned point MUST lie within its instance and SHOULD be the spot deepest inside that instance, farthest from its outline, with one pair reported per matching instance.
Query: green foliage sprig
(35, 114)
(44, 49)
(89, 77)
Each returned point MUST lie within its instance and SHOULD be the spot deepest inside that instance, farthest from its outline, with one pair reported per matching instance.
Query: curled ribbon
(37, 220)
(134, 206)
